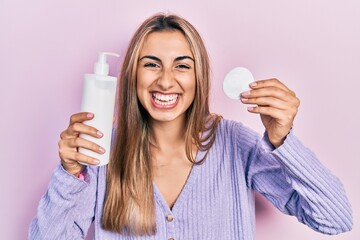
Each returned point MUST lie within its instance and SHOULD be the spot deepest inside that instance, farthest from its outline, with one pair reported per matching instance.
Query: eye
(183, 66)
(151, 65)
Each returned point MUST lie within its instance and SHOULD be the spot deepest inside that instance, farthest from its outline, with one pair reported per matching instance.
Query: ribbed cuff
(65, 182)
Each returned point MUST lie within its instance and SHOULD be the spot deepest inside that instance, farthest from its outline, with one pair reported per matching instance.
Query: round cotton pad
(237, 81)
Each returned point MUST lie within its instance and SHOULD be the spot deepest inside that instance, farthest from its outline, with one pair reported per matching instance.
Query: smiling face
(166, 76)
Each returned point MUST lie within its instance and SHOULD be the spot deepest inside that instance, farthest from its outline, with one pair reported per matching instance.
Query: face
(166, 76)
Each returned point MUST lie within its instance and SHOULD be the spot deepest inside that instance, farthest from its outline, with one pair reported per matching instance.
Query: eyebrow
(159, 60)
(184, 57)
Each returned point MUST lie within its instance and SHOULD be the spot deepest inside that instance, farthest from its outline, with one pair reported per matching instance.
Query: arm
(287, 173)
(67, 208)
(293, 179)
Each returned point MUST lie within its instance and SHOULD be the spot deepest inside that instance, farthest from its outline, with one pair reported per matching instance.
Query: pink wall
(46, 46)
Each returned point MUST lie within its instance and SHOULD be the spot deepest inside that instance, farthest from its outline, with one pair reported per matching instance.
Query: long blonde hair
(129, 204)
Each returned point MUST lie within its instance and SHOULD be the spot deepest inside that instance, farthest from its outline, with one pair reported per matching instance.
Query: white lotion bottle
(99, 92)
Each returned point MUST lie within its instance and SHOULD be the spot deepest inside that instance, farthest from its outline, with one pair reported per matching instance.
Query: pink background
(47, 46)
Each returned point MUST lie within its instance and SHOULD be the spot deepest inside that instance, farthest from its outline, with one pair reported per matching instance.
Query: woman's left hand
(277, 106)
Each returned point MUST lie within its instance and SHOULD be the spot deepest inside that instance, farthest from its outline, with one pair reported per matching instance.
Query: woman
(177, 171)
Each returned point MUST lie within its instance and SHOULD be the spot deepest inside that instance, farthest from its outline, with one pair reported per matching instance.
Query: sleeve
(67, 208)
(295, 182)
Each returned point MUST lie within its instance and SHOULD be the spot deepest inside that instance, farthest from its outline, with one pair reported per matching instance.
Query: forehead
(166, 42)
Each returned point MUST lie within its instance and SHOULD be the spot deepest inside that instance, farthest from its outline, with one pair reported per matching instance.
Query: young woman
(176, 170)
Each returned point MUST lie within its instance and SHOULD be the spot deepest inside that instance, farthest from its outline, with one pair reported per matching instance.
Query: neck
(169, 144)
(168, 134)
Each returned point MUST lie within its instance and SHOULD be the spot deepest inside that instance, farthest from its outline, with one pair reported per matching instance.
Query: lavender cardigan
(217, 201)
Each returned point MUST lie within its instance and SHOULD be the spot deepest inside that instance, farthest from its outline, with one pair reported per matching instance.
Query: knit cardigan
(217, 200)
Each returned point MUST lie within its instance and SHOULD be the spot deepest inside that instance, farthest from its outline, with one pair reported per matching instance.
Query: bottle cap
(101, 67)
(236, 82)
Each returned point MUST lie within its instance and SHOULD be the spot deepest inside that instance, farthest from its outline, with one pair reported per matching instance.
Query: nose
(166, 80)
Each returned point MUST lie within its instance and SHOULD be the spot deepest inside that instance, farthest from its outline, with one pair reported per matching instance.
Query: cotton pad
(237, 81)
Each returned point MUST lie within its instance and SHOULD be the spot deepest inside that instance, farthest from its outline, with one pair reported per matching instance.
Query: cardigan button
(169, 218)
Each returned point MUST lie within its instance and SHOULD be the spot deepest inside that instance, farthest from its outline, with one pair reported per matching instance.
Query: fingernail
(250, 108)
(100, 134)
(244, 99)
(90, 115)
(254, 84)
(101, 150)
(244, 94)
(96, 161)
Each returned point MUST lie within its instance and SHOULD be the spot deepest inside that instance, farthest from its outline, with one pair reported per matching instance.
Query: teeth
(163, 100)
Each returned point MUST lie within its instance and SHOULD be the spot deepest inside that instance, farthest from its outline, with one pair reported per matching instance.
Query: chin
(166, 116)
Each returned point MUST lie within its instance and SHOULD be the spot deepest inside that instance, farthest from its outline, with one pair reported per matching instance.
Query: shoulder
(232, 136)
(237, 130)
(235, 143)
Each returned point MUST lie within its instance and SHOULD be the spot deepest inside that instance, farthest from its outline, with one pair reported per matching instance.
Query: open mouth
(165, 99)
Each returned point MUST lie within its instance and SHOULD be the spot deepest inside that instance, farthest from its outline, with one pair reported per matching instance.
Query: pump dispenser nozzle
(101, 67)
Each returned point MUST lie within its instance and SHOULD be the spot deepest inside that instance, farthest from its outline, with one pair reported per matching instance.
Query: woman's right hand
(70, 142)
